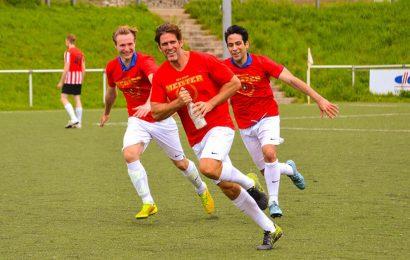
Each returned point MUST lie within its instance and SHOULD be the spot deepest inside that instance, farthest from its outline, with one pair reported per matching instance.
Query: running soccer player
(257, 114)
(71, 81)
(198, 81)
(132, 72)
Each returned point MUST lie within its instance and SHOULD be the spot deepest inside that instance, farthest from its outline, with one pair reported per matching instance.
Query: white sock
(230, 173)
(192, 174)
(79, 113)
(285, 169)
(248, 205)
(69, 108)
(140, 181)
(272, 178)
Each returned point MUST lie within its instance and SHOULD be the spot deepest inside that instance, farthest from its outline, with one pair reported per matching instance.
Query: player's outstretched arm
(326, 108)
(110, 97)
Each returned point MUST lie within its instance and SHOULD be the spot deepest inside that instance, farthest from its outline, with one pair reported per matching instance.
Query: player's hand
(184, 96)
(326, 108)
(104, 118)
(143, 110)
(59, 85)
(202, 108)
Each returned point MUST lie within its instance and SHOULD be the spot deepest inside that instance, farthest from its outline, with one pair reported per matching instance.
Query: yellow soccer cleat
(146, 211)
(207, 201)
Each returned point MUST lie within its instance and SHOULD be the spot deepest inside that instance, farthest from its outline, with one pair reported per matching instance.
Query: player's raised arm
(329, 109)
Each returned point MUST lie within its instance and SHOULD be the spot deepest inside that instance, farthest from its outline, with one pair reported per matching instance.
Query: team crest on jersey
(248, 87)
(186, 82)
(127, 83)
(130, 86)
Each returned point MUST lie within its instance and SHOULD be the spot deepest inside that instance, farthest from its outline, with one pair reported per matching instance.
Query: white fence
(30, 78)
(353, 68)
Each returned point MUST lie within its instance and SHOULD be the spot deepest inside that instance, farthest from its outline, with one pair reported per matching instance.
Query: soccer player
(202, 82)
(257, 114)
(131, 72)
(72, 80)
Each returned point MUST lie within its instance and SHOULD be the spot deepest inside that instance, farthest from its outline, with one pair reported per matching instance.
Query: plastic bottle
(199, 121)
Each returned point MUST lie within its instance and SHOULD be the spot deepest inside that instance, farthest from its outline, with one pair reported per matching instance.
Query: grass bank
(353, 34)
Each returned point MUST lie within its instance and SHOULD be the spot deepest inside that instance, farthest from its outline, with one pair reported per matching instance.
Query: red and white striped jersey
(75, 58)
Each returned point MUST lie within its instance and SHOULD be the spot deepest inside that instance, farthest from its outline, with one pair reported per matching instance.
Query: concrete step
(280, 96)
(287, 100)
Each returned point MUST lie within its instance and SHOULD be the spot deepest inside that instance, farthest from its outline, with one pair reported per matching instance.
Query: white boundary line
(112, 123)
(346, 116)
(309, 129)
(348, 129)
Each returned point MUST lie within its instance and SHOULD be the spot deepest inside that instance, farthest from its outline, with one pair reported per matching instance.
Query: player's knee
(130, 155)
(230, 189)
(269, 155)
(209, 168)
(63, 100)
(181, 164)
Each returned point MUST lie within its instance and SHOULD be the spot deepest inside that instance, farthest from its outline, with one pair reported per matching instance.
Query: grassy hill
(34, 39)
(353, 34)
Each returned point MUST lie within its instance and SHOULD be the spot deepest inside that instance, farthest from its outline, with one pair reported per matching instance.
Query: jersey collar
(132, 63)
(246, 64)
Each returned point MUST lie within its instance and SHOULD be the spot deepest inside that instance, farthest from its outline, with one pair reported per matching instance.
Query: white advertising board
(389, 81)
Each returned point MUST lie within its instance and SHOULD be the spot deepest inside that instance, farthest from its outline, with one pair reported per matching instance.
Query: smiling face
(237, 48)
(170, 46)
(125, 44)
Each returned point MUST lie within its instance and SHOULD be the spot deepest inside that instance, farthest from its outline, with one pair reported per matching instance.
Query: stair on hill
(280, 95)
(193, 35)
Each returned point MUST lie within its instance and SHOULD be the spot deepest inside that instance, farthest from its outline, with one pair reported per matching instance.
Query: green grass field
(66, 193)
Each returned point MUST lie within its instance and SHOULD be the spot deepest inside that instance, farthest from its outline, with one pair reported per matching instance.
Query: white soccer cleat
(71, 124)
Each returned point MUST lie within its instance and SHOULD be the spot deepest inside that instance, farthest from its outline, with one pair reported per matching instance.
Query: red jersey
(254, 100)
(75, 58)
(132, 81)
(203, 76)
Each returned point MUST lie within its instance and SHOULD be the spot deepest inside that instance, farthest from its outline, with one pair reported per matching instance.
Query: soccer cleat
(77, 126)
(255, 178)
(275, 211)
(269, 239)
(296, 178)
(207, 202)
(71, 124)
(146, 211)
(257, 193)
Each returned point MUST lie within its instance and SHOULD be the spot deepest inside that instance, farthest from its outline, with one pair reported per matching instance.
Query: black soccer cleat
(269, 239)
(260, 197)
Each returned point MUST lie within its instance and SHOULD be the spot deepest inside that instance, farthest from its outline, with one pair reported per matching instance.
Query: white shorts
(266, 131)
(216, 144)
(164, 132)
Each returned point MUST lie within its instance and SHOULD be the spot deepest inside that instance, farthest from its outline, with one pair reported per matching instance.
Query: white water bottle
(199, 121)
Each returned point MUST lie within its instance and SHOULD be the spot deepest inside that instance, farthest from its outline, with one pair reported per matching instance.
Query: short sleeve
(158, 93)
(219, 72)
(148, 65)
(274, 69)
(109, 72)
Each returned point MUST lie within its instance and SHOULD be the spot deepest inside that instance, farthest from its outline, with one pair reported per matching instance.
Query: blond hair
(124, 30)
